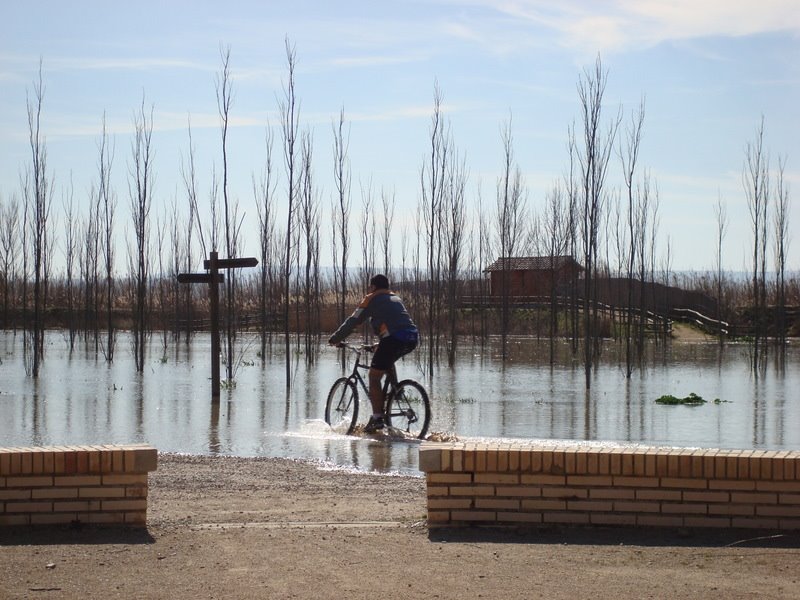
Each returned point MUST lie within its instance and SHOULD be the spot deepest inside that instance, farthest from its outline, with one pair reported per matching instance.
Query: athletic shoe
(375, 423)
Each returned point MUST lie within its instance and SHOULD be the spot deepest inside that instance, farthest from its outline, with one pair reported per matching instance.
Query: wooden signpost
(213, 278)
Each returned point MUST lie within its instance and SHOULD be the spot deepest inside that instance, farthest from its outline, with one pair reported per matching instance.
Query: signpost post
(213, 278)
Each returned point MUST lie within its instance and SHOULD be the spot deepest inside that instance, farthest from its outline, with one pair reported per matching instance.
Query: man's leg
(376, 390)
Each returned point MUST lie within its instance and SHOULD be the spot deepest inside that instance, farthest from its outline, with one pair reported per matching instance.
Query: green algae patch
(691, 400)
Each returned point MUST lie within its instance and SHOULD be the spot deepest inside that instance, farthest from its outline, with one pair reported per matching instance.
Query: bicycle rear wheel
(341, 409)
(408, 408)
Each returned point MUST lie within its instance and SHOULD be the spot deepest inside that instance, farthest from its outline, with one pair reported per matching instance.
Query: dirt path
(273, 528)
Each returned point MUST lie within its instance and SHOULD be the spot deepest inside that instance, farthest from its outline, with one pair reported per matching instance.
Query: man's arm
(359, 315)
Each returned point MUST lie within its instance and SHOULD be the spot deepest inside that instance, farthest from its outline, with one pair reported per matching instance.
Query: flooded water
(79, 398)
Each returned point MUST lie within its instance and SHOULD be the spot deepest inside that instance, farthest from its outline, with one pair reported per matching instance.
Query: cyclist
(398, 336)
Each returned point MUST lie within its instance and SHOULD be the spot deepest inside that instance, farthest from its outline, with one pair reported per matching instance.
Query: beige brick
(130, 479)
(519, 517)
(497, 478)
(18, 494)
(77, 480)
(566, 517)
(102, 492)
(754, 498)
(472, 490)
(52, 518)
(75, 506)
(38, 461)
(567, 493)
(593, 463)
(448, 478)
(513, 460)
(54, 492)
(684, 508)
(589, 480)
(137, 491)
(518, 491)
(730, 484)
(754, 523)
(504, 504)
(778, 511)
(126, 505)
(430, 459)
(136, 519)
(684, 483)
(524, 461)
(469, 461)
(612, 494)
(449, 503)
(491, 460)
(658, 494)
(536, 504)
(437, 490)
(26, 463)
(789, 499)
(612, 519)
(502, 460)
(543, 479)
(5, 463)
(706, 522)
(789, 524)
(659, 521)
(30, 481)
(638, 482)
(731, 509)
(28, 507)
(438, 516)
(690, 496)
(481, 459)
(638, 507)
(12, 520)
(472, 515)
(102, 517)
(590, 505)
(778, 486)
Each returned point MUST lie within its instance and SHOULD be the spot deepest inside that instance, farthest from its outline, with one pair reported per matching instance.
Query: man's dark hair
(380, 281)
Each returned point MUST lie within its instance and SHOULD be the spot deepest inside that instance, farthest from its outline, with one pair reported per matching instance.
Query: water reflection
(81, 399)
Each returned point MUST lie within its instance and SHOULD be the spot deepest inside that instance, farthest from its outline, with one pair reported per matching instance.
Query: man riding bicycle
(398, 336)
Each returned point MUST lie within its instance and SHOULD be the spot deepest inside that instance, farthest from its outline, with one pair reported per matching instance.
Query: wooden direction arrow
(199, 278)
(232, 263)
(213, 279)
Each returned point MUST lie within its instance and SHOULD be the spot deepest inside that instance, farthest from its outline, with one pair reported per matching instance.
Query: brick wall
(68, 484)
(529, 483)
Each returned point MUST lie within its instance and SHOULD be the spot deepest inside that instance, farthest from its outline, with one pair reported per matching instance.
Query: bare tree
(264, 193)
(721, 214)
(510, 215)
(289, 110)
(755, 178)
(189, 177)
(71, 241)
(629, 156)
(432, 178)
(40, 202)
(782, 240)
(341, 214)
(108, 203)
(140, 185)
(593, 157)
(454, 240)
(9, 235)
(224, 103)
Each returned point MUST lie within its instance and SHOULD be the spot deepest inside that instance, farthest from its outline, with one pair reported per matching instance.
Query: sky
(707, 71)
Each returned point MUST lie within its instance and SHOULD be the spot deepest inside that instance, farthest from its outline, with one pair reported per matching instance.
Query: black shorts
(389, 350)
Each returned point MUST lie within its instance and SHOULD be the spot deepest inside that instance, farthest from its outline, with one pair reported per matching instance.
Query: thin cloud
(624, 24)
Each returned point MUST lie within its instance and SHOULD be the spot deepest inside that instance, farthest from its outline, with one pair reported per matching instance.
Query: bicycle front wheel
(408, 408)
(341, 409)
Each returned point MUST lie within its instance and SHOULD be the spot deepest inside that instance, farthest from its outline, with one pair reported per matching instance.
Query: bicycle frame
(356, 377)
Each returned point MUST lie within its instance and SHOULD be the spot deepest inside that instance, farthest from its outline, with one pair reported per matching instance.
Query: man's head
(379, 282)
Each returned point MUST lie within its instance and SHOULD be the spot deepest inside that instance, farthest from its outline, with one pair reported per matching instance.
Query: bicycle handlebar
(359, 348)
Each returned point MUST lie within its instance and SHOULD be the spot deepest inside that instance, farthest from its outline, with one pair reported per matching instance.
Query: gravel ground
(238, 528)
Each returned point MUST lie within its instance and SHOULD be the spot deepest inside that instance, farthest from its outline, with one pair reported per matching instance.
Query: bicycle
(407, 406)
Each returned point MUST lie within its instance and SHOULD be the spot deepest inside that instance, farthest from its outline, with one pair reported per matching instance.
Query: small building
(531, 275)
